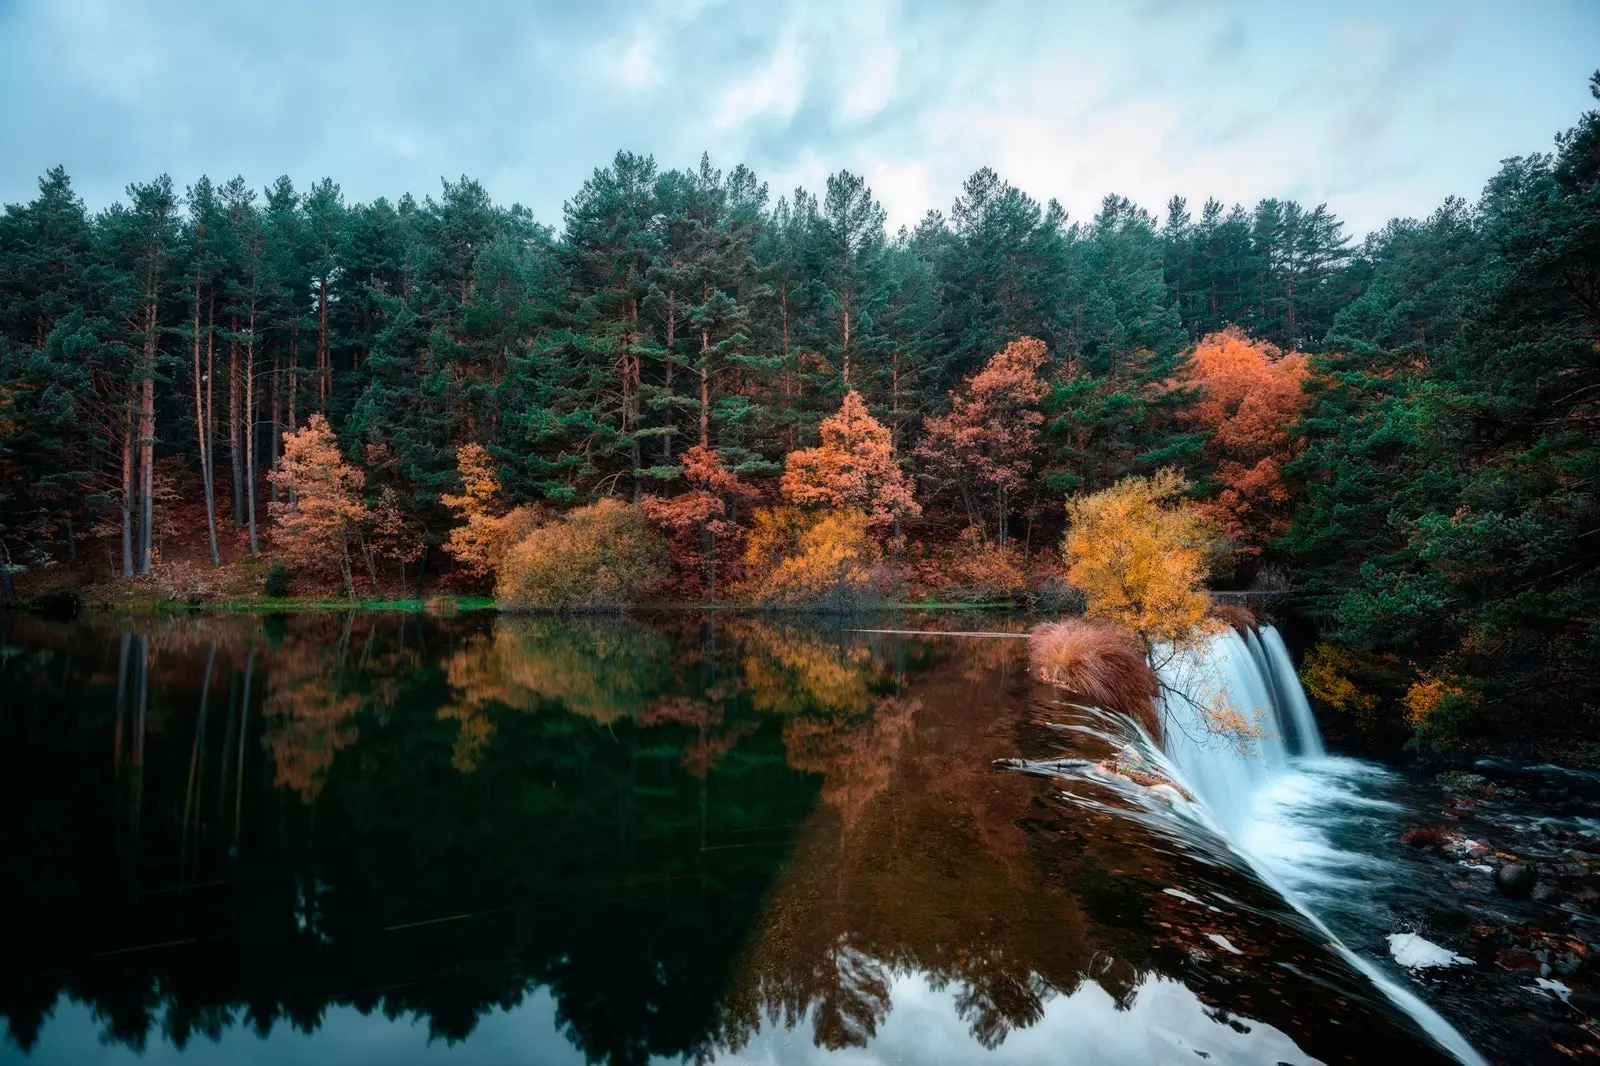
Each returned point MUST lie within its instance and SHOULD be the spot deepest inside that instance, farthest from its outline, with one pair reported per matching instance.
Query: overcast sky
(1378, 109)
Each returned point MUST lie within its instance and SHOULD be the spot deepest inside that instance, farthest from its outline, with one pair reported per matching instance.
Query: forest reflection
(692, 831)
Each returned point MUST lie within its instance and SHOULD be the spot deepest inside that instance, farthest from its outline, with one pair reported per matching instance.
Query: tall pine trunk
(201, 435)
(147, 429)
(705, 389)
(127, 495)
(275, 431)
(234, 458)
(250, 429)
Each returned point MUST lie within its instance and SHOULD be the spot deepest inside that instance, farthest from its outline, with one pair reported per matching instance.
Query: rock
(1427, 837)
(1544, 892)
(1514, 880)
(1516, 959)
(1587, 1002)
(56, 606)
(1567, 964)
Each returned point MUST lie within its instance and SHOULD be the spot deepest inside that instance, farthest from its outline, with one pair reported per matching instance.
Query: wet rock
(1586, 1002)
(1516, 959)
(1462, 782)
(1515, 880)
(1544, 892)
(1566, 964)
(1428, 837)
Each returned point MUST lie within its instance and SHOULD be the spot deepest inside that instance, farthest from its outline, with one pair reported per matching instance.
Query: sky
(1378, 109)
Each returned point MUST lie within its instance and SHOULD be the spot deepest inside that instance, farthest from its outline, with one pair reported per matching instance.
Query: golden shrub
(604, 555)
(828, 559)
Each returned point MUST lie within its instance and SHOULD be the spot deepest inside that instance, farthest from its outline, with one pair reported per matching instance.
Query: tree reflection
(687, 831)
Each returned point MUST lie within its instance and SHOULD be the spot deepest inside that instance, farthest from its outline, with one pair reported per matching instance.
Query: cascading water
(1233, 716)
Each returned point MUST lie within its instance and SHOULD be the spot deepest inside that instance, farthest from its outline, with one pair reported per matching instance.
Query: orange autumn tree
(1250, 393)
(487, 529)
(698, 518)
(321, 511)
(854, 468)
(985, 446)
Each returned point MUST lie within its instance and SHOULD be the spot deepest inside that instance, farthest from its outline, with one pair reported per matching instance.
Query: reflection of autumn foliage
(915, 864)
(1249, 395)
(854, 468)
(714, 737)
(1138, 550)
(792, 670)
(854, 755)
(985, 446)
(310, 715)
(602, 555)
(796, 557)
(602, 670)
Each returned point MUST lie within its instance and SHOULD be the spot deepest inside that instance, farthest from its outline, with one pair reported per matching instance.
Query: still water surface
(390, 838)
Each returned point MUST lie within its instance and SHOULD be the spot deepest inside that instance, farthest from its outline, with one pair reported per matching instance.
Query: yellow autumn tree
(486, 529)
(1139, 551)
(800, 558)
(321, 511)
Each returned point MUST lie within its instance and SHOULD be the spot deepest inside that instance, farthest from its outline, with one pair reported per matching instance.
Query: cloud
(1375, 109)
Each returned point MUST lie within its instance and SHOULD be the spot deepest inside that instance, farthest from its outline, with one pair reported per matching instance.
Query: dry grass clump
(1100, 663)
(1237, 615)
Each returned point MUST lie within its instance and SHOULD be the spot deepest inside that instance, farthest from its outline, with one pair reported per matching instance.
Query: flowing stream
(1239, 734)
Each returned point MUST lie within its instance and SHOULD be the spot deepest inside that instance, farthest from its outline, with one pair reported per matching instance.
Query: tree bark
(147, 431)
(127, 496)
(250, 429)
(202, 437)
(235, 460)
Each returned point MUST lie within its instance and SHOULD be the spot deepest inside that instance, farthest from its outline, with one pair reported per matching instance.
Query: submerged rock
(1515, 880)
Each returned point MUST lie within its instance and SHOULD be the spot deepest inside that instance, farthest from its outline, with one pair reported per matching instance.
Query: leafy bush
(974, 570)
(277, 583)
(828, 560)
(603, 555)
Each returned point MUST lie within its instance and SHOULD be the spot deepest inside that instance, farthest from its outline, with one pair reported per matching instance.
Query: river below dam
(691, 837)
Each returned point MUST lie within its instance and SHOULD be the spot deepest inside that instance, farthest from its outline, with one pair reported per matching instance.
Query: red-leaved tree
(984, 448)
(321, 511)
(701, 520)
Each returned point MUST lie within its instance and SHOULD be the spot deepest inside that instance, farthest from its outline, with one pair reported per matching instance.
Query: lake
(689, 837)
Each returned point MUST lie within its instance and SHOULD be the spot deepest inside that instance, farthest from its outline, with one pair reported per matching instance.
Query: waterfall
(1248, 681)
(1233, 713)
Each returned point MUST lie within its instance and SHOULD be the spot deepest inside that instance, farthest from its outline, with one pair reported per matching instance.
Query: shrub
(603, 555)
(1241, 618)
(277, 583)
(975, 570)
(1098, 662)
(827, 560)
